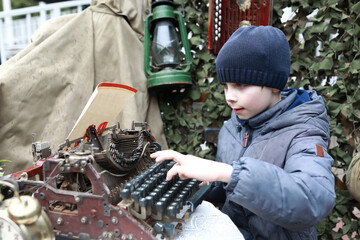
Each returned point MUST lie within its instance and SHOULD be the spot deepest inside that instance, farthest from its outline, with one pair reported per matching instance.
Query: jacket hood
(277, 117)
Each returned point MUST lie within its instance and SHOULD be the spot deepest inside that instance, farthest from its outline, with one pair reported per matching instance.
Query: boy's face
(248, 101)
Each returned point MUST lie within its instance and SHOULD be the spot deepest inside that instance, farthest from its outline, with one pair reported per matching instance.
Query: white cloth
(208, 222)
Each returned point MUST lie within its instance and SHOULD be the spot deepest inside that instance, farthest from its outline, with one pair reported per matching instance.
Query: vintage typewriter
(105, 186)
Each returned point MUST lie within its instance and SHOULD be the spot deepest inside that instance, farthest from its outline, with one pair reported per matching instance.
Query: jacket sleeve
(295, 197)
(217, 194)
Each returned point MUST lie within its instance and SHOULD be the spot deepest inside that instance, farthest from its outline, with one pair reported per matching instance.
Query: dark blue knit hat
(256, 56)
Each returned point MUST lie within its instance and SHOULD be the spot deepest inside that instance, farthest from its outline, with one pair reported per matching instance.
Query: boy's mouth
(238, 110)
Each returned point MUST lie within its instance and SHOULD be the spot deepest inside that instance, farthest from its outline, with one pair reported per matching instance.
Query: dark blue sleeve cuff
(234, 179)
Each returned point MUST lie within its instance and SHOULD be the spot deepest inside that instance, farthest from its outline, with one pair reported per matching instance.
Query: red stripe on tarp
(117, 85)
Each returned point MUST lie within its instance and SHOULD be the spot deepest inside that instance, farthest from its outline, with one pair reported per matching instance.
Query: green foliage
(334, 31)
(342, 212)
(186, 115)
(334, 72)
(3, 165)
(2, 161)
(325, 52)
(15, 4)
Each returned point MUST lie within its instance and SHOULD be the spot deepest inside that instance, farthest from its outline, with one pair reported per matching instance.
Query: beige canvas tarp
(44, 88)
(353, 177)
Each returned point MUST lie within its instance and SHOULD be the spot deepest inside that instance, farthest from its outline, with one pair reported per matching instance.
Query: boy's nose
(230, 95)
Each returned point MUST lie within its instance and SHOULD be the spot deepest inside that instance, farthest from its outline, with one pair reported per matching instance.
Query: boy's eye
(225, 85)
(234, 85)
(241, 85)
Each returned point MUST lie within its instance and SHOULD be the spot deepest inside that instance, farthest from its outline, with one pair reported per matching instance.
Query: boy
(272, 170)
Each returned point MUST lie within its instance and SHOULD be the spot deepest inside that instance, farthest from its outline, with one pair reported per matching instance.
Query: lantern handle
(182, 8)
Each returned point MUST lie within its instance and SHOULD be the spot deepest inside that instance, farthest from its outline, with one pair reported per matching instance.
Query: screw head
(83, 220)
(42, 196)
(59, 221)
(114, 220)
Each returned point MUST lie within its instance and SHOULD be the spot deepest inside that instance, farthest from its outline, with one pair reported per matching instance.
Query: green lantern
(164, 62)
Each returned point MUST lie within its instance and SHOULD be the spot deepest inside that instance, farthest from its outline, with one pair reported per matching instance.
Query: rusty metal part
(80, 187)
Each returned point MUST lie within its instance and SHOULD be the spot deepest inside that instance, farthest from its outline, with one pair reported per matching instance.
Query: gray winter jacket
(282, 184)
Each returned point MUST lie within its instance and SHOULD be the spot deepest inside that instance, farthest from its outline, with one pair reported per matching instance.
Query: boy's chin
(242, 117)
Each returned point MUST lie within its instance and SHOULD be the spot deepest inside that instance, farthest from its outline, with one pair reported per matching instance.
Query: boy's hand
(188, 166)
(204, 183)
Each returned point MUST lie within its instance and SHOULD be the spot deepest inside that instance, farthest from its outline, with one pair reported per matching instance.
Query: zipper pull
(246, 136)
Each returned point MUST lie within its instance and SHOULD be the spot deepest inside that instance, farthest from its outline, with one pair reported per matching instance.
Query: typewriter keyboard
(161, 204)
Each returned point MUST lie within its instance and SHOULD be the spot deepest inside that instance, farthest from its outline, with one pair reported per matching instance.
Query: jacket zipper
(246, 136)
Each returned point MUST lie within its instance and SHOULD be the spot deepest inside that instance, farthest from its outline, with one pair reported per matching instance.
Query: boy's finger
(155, 154)
(166, 155)
(203, 183)
(159, 156)
(172, 172)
